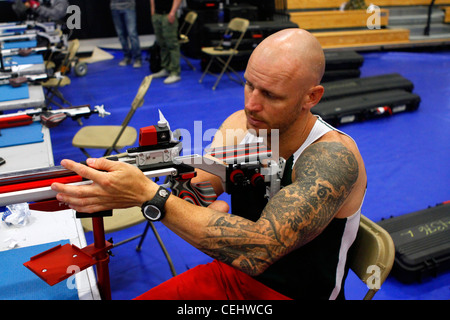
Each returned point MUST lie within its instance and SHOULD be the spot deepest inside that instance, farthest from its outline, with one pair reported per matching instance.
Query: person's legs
(131, 25)
(121, 30)
(170, 35)
(157, 21)
(212, 281)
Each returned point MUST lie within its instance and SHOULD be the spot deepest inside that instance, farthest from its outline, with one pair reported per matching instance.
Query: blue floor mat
(406, 155)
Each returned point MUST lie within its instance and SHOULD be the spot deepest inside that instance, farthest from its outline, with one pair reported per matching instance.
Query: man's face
(273, 95)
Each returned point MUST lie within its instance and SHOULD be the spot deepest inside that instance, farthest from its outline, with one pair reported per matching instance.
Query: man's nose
(253, 101)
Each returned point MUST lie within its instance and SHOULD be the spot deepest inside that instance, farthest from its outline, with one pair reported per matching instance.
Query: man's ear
(313, 96)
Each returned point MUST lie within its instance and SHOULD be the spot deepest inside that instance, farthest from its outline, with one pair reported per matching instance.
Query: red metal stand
(52, 265)
(102, 258)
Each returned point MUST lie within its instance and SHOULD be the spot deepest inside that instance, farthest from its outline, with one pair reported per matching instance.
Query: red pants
(212, 281)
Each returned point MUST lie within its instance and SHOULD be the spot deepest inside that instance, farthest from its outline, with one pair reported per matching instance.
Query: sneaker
(172, 79)
(160, 74)
(124, 62)
(137, 64)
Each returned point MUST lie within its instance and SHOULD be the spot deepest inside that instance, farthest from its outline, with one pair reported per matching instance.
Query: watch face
(152, 212)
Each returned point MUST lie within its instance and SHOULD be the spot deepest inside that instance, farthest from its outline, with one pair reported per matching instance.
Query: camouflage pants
(167, 38)
(355, 5)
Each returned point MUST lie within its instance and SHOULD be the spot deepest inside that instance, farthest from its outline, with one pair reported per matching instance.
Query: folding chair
(112, 138)
(224, 56)
(59, 79)
(185, 28)
(372, 255)
(127, 218)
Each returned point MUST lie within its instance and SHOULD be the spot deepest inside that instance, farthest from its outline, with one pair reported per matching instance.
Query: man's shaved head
(293, 50)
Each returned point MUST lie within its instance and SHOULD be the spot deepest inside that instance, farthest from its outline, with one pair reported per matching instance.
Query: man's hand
(115, 185)
(171, 17)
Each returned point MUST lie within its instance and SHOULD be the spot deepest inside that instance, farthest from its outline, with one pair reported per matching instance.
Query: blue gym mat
(20, 44)
(9, 93)
(21, 135)
(20, 60)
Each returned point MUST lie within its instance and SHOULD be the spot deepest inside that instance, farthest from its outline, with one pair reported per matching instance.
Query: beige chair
(112, 138)
(185, 28)
(60, 79)
(373, 250)
(224, 56)
(127, 218)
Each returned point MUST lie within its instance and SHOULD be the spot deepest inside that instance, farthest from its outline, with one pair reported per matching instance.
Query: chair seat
(182, 39)
(49, 65)
(214, 52)
(104, 137)
(53, 82)
(121, 219)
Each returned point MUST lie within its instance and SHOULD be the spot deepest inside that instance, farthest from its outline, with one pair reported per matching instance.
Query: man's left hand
(114, 185)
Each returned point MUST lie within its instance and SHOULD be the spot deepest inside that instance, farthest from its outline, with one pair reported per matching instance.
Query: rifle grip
(200, 194)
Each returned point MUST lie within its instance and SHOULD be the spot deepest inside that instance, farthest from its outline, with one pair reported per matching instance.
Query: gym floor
(406, 155)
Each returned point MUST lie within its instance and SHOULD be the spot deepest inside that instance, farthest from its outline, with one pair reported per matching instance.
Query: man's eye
(269, 95)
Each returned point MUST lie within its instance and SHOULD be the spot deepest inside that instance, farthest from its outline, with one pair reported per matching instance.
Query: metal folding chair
(185, 28)
(372, 255)
(112, 138)
(223, 55)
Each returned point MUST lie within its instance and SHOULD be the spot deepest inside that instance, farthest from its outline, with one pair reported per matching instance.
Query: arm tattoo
(325, 174)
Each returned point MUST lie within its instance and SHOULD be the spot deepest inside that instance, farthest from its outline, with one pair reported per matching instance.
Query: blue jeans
(126, 28)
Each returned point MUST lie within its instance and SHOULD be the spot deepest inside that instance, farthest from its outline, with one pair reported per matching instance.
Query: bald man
(297, 248)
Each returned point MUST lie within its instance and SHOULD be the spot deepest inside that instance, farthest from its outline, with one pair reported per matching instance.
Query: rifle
(48, 117)
(158, 154)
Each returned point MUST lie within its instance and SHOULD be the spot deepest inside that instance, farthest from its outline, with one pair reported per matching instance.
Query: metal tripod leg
(166, 253)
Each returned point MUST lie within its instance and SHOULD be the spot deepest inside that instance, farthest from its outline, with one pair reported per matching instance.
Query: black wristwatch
(153, 210)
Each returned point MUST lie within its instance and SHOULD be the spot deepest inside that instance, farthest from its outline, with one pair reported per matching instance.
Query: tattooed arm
(324, 176)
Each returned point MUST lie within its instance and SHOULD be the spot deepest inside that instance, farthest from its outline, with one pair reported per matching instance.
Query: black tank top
(318, 269)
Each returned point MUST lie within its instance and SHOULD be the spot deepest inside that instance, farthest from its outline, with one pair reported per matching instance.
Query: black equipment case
(342, 65)
(422, 243)
(357, 86)
(366, 106)
(339, 60)
(202, 4)
(359, 99)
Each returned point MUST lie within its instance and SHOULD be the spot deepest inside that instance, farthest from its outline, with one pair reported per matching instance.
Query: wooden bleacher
(315, 20)
(338, 29)
(362, 38)
(447, 14)
(329, 4)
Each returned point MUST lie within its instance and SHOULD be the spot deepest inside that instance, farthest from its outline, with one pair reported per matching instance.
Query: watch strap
(159, 201)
